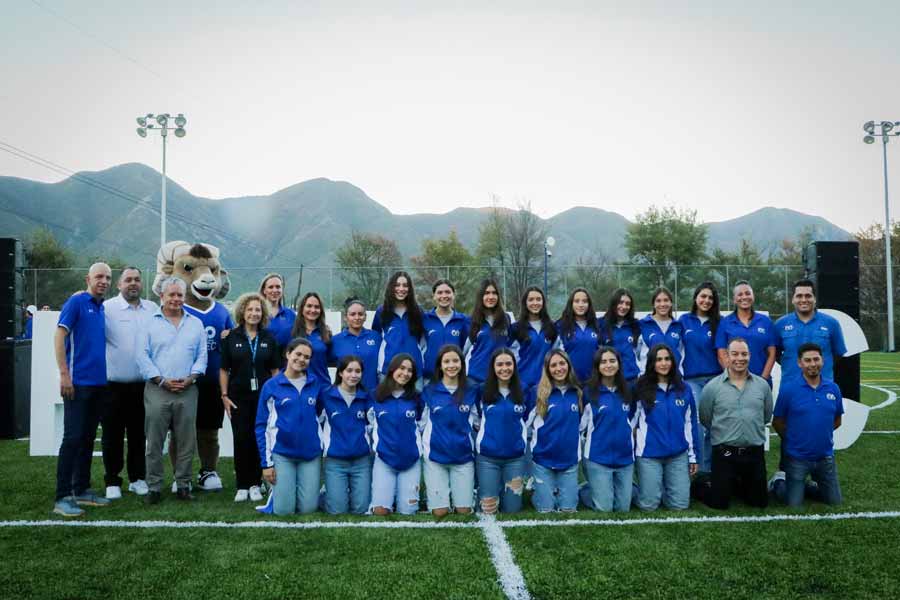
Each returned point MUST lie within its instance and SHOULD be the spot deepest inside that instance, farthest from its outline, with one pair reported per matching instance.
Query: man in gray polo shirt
(735, 407)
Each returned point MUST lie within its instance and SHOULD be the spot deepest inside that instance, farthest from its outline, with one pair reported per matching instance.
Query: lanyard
(253, 345)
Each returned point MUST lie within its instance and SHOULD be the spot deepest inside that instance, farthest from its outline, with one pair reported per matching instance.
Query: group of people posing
(485, 406)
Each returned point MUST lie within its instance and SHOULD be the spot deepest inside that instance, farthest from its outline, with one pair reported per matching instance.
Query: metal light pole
(162, 120)
(886, 128)
(548, 243)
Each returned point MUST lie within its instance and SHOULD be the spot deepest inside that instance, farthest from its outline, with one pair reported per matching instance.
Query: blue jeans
(824, 485)
(665, 479)
(446, 482)
(496, 480)
(608, 488)
(348, 484)
(702, 450)
(392, 487)
(81, 415)
(296, 485)
(555, 489)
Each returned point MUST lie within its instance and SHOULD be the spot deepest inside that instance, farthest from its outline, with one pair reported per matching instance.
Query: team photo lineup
(436, 410)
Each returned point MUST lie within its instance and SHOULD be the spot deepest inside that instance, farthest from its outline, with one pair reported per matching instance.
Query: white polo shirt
(124, 323)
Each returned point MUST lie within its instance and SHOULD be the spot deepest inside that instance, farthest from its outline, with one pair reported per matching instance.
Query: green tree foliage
(872, 275)
(366, 262)
(51, 276)
(447, 258)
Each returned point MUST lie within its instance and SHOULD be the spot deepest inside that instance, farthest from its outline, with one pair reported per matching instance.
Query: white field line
(510, 575)
(670, 520)
(891, 396)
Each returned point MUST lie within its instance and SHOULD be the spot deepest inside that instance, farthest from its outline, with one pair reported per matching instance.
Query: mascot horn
(198, 265)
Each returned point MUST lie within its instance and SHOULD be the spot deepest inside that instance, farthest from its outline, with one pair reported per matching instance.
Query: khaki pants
(164, 410)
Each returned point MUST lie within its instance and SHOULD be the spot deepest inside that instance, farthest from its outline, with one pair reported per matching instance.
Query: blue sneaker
(66, 507)
(89, 498)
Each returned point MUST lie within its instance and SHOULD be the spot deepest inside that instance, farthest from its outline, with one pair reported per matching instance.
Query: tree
(447, 258)
(366, 261)
(51, 276)
(872, 291)
(597, 273)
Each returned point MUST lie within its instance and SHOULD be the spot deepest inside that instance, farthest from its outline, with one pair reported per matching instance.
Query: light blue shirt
(124, 323)
(172, 352)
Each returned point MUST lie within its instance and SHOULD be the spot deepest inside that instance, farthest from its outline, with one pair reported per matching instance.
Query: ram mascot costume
(198, 265)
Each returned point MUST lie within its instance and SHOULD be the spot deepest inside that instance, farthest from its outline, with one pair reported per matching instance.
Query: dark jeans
(81, 415)
(123, 414)
(737, 471)
(247, 468)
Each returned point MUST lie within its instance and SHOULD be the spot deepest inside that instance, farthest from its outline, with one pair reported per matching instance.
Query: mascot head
(198, 265)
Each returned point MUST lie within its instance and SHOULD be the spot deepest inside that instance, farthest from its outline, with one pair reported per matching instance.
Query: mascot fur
(198, 266)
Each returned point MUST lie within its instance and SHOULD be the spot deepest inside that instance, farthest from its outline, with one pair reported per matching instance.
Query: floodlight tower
(548, 243)
(885, 131)
(145, 123)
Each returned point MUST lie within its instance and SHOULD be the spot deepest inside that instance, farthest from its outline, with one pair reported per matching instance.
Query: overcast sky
(718, 106)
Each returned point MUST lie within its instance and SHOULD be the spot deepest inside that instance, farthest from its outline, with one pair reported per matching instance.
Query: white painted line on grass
(723, 519)
(891, 396)
(244, 524)
(510, 575)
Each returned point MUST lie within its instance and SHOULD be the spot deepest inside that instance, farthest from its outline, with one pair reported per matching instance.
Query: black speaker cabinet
(15, 388)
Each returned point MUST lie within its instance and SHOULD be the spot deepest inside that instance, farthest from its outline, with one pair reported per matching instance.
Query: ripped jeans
(496, 479)
(390, 487)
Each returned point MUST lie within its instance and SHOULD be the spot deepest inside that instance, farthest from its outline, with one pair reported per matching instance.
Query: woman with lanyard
(358, 341)
(533, 336)
(578, 332)
(442, 325)
(489, 331)
(659, 327)
(249, 358)
(555, 439)
(756, 329)
(399, 321)
(281, 318)
(701, 362)
(310, 325)
(623, 332)
(503, 411)
(609, 436)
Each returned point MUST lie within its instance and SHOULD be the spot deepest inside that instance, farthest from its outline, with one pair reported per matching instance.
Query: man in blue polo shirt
(80, 347)
(807, 412)
(804, 325)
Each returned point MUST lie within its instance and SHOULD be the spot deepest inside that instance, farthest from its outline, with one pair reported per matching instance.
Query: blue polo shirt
(809, 414)
(700, 359)
(822, 329)
(760, 335)
(456, 331)
(281, 325)
(83, 318)
(215, 319)
(365, 346)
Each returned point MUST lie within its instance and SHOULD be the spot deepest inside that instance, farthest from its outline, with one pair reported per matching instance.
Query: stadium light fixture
(146, 123)
(548, 243)
(887, 131)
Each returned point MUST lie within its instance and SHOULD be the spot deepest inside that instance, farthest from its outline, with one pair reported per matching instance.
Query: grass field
(826, 558)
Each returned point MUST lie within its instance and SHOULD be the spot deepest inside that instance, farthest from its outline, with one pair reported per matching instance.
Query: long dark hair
(479, 313)
(567, 319)
(491, 391)
(413, 310)
(299, 329)
(343, 363)
(460, 392)
(648, 382)
(388, 386)
(611, 316)
(714, 310)
(595, 380)
(523, 325)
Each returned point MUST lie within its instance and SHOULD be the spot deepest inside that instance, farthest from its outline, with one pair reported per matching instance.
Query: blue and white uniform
(652, 333)
(438, 333)
(395, 430)
(759, 333)
(532, 352)
(318, 364)
(344, 425)
(478, 353)
(84, 320)
(580, 345)
(821, 329)
(396, 339)
(215, 319)
(448, 427)
(366, 346)
(625, 341)
(287, 419)
(670, 428)
(555, 440)
(700, 357)
(503, 430)
(608, 423)
(281, 325)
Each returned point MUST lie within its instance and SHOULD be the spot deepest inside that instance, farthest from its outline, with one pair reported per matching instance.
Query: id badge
(254, 384)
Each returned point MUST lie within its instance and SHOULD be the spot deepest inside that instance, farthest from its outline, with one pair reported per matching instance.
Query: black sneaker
(153, 497)
(184, 494)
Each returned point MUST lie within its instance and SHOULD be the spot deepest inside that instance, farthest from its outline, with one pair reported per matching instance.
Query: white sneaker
(255, 493)
(241, 496)
(778, 476)
(175, 487)
(113, 492)
(210, 482)
(139, 487)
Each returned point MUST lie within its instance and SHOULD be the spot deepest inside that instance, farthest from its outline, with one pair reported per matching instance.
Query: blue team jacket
(344, 432)
(700, 359)
(670, 428)
(531, 353)
(555, 439)
(503, 431)
(481, 349)
(365, 346)
(287, 420)
(580, 346)
(456, 331)
(623, 341)
(395, 430)
(607, 423)
(448, 426)
(652, 334)
(396, 338)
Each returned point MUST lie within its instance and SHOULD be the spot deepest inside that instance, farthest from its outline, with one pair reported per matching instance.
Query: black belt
(738, 450)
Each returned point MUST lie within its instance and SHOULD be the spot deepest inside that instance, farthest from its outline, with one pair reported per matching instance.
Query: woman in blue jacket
(399, 321)
(555, 439)
(503, 411)
(609, 435)
(394, 416)
(665, 430)
(701, 362)
(532, 336)
(287, 432)
(489, 330)
(358, 341)
(345, 441)
(448, 418)
(442, 324)
(310, 325)
(659, 327)
(281, 318)
(578, 332)
(622, 331)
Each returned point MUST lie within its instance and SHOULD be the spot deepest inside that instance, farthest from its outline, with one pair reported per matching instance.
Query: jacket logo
(517, 408)
(574, 408)
(411, 414)
(760, 330)
(594, 335)
(601, 407)
(311, 401)
(709, 334)
(788, 327)
(675, 335)
(430, 332)
(284, 401)
(436, 408)
(550, 407)
(463, 408)
(630, 339)
(679, 401)
(381, 413)
(335, 413)
(360, 414)
(454, 332)
(370, 342)
(624, 407)
(823, 328)
(830, 396)
(264, 345)
(239, 345)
